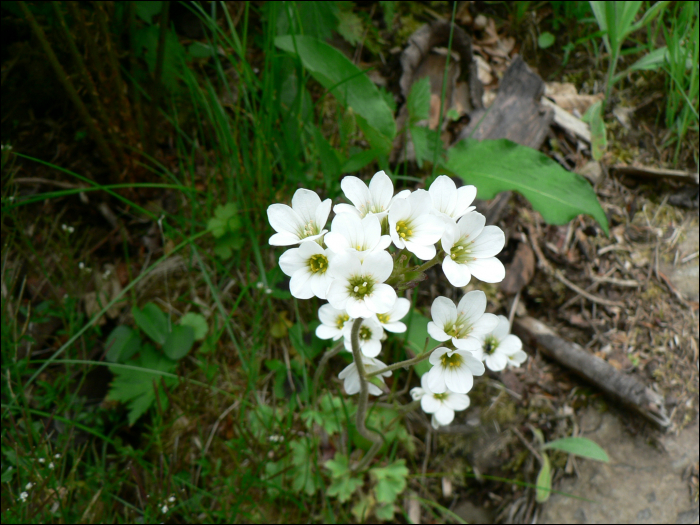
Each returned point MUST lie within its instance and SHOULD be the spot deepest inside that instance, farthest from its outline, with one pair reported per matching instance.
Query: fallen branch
(625, 388)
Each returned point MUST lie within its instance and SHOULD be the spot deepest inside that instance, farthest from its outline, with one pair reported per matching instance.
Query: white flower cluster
(349, 266)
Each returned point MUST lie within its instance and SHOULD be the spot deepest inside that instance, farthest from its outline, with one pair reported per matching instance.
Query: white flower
(352, 377)
(449, 201)
(332, 322)
(391, 321)
(358, 285)
(164, 509)
(349, 233)
(466, 324)
(370, 336)
(441, 406)
(453, 370)
(501, 348)
(304, 221)
(469, 250)
(172, 499)
(28, 486)
(51, 465)
(308, 268)
(413, 226)
(23, 496)
(375, 200)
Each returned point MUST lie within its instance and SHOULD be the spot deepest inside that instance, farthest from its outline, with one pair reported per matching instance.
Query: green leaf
(8, 475)
(545, 40)
(121, 344)
(425, 141)
(599, 142)
(358, 161)
(391, 480)
(152, 321)
(200, 50)
(381, 143)
(225, 246)
(198, 324)
(303, 478)
(418, 103)
(135, 387)
(385, 512)
(327, 155)
(179, 342)
(345, 80)
(416, 336)
(344, 484)
(579, 446)
(501, 165)
(147, 10)
(350, 27)
(544, 481)
(304, 342)
(225, 220)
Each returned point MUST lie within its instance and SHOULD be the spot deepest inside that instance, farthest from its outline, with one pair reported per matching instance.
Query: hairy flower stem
(375, 437)
(432, 262)
(404, 364)
(321, 365)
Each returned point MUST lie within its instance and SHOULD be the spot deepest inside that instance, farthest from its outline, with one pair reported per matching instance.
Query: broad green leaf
(544, 481)
(121, 344)
(385, 512)
(345, 80)
(416, 336)
(425, 142)
(599, 141)
(135, 387)
(418, 103)
(501, 165)
(198, 324)
(391, 481)
(303, 478)
(358, 161)
(344, 483)
(579, 446)
(651, 61)
(327, 155)
(200, 50)
(152, 321)
(545, 40)
(7, 475)
(381, 143)
(179, 342)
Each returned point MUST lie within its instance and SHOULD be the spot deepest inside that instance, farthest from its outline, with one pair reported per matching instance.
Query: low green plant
(139, 366)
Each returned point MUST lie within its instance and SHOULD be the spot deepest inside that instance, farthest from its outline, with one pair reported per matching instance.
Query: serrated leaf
(425, 142)
(579, 446)
(225, 245)
(179, 342)
(135, 387)
(303, 478)
(345, 80)
(544, 481)
(418, 102)
(391, 480)
(385, 512)
(344, 488)
(152, 321)
(501, 165)
(225, 220)
(198, 324)
(122, 344)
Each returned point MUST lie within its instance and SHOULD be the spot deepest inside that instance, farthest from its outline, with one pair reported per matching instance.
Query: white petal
(379, 265)
(510, 345)
(442, 191)
(291, 261)
(429, 404)
(436, 379)
(471, 225)
(472, 344)
(465, 196)
(502, 328)
(396, 327)
(427, 229)
(382, 190)
(489, 270)
(472, 306)
(445, 415)
(457, 401)
(421, 251)
(474, 364)
(449, 236)
(284, 239)
(458, 274)
(437, 333)
(417, 393)
(400, 309)
(327, 332)
(319, 285)
(443, 311)
(484, 326)
(345, 265)
(339, 209)
(436, 357)
(496, 361)
(517, 359)
(356, 191)
(282, 218)
(322, 212)
(305, 202)
(335, 241)
(490, 242)
(459, 381)
(357, 308)
(328, 315)
(338, 294)
(299, 284)
(382, 299)
(371, 348)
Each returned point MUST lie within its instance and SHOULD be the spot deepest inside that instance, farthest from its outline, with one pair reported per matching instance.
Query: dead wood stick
(625, 388)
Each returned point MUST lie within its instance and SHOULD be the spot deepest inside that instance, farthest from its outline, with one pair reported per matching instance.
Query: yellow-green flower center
(404, 230)
(440, 397)
(460, 329)
(490, 345)
(341, 320)
(360, 287)
(308, 230)
(383, 318)
(461, 251)
(365, 333)
(318, 263)
(451, 361)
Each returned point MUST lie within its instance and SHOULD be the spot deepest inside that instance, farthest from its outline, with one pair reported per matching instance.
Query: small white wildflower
(81, 265)
(106, 273)
(23, 496)
(171, 499)
(51, 466)
(42, 460)
(268, 291)
(66, 228)
(276, 438)
(57, 456)
(164, 509)
(259, 285)
(28, 486)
